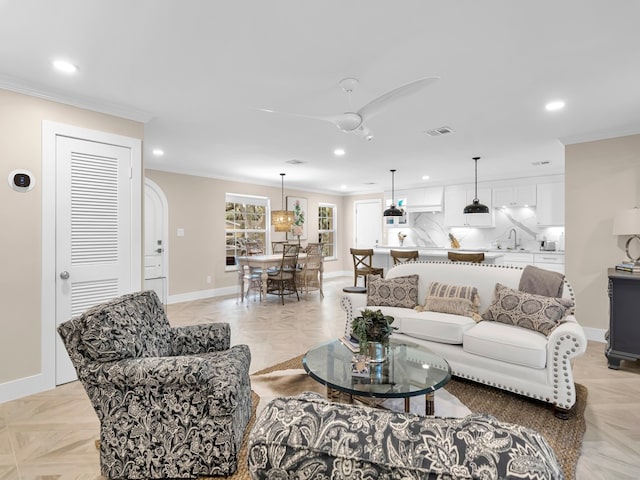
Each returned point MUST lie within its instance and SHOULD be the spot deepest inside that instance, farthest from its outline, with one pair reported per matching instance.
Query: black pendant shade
(392, 211)
(476, 206)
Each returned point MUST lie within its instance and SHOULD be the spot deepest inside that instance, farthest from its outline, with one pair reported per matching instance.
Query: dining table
(264, 262)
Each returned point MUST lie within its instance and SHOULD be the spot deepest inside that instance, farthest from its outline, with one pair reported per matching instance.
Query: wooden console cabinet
(624, 317)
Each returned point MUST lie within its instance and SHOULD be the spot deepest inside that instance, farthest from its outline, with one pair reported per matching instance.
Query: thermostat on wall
(21, 180)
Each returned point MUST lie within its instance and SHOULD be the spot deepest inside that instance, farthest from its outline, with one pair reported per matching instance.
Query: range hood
(425, 200)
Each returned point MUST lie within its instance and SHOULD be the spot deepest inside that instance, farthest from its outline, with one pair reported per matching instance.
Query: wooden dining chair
(363, 264)
(466, 257)
(404, 256)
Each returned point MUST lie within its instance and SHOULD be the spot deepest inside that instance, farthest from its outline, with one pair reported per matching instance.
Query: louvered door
(93, 242)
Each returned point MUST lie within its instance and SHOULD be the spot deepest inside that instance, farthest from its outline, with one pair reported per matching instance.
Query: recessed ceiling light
(338, 152)
(157, 152)
(555, 105)
(64, 66)
(425, 177)
(343, 187)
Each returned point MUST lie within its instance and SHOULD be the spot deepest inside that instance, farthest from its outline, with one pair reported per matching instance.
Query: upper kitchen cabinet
(550, 204)
(516, 196)
(456, 199)
(424, 199)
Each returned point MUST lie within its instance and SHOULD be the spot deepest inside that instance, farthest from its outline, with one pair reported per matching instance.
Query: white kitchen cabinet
(456, 199)
(428, 199)
(515, 196)
(547, 260)
(550, 204)
(518, 259)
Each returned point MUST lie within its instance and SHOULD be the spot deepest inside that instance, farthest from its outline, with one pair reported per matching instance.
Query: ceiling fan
(354, 122)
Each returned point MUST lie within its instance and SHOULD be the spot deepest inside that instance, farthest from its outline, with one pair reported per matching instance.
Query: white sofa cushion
(507, 343)
(435, 326)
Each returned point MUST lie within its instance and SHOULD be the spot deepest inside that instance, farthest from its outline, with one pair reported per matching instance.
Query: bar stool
(465, 257)
(404, 256)
(363, 264)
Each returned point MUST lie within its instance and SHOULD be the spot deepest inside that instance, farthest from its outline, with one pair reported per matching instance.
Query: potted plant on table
(372, 329)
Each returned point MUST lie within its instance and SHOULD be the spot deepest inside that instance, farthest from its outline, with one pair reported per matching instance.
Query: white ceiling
(197, 71)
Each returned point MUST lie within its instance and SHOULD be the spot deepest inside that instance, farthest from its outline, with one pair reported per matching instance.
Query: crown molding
(109, 108)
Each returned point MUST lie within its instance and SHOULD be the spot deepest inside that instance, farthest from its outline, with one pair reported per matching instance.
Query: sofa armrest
(351, 304)
(208, 337)
(565, 342)
(307, 433)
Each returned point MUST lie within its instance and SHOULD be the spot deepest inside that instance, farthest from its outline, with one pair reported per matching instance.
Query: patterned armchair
(309, 437)
(172, 402)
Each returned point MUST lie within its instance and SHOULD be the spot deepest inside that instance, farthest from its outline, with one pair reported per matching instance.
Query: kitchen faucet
(515, 238)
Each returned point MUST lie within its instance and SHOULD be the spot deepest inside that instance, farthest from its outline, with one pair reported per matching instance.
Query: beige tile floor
(51, 435)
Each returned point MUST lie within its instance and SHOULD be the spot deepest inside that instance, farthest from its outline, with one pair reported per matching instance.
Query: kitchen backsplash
(428, 230)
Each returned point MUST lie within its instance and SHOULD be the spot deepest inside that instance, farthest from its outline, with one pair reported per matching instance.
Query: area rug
(564, 436)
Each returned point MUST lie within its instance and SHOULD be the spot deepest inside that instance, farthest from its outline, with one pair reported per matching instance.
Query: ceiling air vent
(436, 132)
(294, 162)
(543, 162)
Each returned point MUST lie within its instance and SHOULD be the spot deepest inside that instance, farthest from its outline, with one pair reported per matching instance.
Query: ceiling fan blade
(383, 101)
(326, 118)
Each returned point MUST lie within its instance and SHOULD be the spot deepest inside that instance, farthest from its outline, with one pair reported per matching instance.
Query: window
(245, 222)
(327, 230)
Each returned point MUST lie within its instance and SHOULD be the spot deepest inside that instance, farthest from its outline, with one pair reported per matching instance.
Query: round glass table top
(407, 371)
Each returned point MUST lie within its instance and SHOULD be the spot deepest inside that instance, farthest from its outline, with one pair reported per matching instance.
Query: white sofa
(505, 356)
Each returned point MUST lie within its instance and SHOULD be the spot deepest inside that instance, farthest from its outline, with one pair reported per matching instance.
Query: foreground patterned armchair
(172, 402)
(309, 437)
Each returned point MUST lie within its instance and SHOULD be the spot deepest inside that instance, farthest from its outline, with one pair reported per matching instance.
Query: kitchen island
(382, 257)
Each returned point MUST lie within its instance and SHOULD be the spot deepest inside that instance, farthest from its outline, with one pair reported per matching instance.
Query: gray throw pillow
(395, 292)
(535, 312)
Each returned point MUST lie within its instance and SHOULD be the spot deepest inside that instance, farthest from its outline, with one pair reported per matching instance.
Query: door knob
(64, 275)
(159, 250)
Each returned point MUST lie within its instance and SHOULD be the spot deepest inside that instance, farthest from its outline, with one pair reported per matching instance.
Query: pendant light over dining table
(476, 206)
(392, 211)
(282, 220)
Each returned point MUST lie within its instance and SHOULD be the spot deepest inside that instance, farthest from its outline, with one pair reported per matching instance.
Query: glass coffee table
(408, 371)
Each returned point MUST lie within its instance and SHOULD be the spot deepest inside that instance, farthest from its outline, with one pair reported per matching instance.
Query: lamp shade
(627, 222)
(392, 211)
(282, 220)
(476, 207)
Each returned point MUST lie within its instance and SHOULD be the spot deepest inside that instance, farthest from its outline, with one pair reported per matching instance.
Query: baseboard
(202, 294)
(220, 292)
(595, 334)
(22, 387)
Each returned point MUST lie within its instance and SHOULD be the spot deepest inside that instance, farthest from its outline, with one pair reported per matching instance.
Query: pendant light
(392, 211)
(476, 206)
(282, 219)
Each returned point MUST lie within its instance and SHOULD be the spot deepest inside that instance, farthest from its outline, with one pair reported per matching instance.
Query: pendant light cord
(282, 189)
(476, 183)
(393, 190)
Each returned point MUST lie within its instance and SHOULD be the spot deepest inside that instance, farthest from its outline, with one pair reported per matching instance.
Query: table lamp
(627, 222)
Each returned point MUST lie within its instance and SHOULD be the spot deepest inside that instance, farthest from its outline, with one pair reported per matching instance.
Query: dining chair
(403, 256)
(255, 247)
(466, 257)
(314, 248)
(309, 276)
(363, 264)
(282, 280)
(277, 247)
(251, 277)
